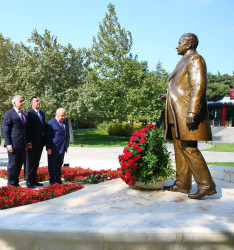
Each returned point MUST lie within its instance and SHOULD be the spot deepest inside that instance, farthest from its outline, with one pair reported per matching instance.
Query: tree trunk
(71, 131)
(77, 125)
(1, 134)
(132, 126)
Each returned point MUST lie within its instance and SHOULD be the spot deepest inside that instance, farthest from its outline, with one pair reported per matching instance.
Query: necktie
(38, 113)
(62, 126)
(22, 117)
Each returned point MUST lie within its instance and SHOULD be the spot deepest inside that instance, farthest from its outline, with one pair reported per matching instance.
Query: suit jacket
(35, 128)
(187, 93)
(57, 138)
(13, 130)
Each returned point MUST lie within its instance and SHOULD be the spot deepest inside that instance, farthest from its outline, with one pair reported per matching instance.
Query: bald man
(57, 142)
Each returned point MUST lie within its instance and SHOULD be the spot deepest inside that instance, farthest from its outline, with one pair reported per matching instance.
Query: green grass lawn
(221, 147)
(224, 164)
(98, 138)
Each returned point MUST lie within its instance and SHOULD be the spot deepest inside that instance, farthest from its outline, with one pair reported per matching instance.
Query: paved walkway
(104, 158)
(113, 216)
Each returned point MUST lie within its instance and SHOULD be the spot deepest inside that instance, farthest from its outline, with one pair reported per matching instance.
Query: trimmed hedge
(122, 128)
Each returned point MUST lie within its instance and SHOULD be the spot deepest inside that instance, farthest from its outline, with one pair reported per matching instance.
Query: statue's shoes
(201, 193)
(175, 188)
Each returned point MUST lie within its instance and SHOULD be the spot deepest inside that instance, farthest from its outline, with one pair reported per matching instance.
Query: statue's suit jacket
(187, 93)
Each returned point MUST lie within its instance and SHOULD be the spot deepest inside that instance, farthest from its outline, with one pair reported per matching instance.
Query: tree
(10, 78)
(218, 86)
(124, 84)
(55, 73)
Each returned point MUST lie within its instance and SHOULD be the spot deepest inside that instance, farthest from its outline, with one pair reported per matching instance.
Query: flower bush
(145, 159)
(11, 196)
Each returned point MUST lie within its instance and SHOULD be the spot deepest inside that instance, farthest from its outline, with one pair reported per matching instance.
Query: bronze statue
(187, 119)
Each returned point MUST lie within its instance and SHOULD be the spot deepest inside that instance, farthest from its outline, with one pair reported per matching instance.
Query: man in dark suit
(57, 142)
(14, 132)
(35, 134)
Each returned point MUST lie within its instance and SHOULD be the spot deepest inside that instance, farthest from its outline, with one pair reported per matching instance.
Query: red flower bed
(73, 174)
(88, 175)
(11, 196)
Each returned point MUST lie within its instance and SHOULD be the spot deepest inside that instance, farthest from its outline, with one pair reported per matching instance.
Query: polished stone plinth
(111, 215)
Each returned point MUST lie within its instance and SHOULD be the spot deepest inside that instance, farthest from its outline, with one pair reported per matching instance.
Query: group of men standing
(25, 136)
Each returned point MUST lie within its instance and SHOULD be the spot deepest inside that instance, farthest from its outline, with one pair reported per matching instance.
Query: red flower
(134, 166)
(133, 180)
(128, 174)
(133, 138)
(135, 145)
(142, 141)
(142, 135)
(139, 149)
(125, 150)
(137, 157)
(137, 133)
(143, 130)
(130, 162)
(120, 175)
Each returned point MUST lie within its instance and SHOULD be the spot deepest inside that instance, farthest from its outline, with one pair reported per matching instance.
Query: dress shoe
(201, 193)
(37, 184)
(175, 188)
(29, 185)
(16, 185)
(59, 181)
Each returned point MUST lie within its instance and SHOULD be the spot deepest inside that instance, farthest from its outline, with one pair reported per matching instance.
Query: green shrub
(122, 129)
(85, 124)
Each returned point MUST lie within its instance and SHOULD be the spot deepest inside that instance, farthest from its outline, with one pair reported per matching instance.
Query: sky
(155, 25)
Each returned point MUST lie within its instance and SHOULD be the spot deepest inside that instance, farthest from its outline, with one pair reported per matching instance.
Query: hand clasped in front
(191, 121)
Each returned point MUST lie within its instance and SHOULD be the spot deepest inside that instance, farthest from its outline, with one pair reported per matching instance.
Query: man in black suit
(57, 142)
(14, 132)
(35, 134)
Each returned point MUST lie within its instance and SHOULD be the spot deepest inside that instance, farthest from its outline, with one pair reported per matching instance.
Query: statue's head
(190, 40)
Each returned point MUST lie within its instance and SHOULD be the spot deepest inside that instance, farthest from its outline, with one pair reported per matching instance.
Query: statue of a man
(187, 119)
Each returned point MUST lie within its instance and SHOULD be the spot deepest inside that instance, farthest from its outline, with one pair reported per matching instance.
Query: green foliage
(221, 147)
(84, 124)
(98, 138)
(10, 72)
(95, 178)
(146, 159)
(55, 73)
(122, 128)
(126, 89)
(156, 163)
(218, 86)
(223, 164)
(112, 45)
